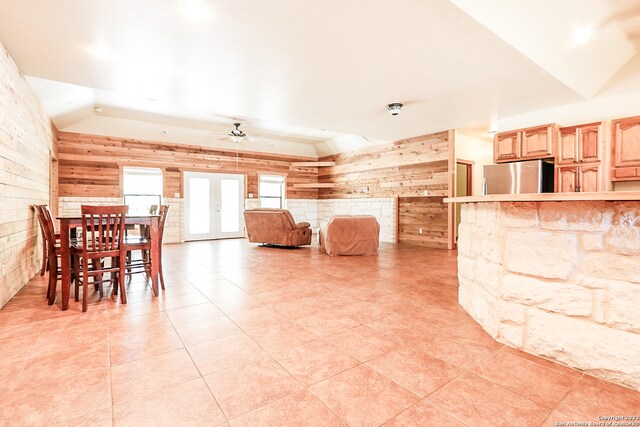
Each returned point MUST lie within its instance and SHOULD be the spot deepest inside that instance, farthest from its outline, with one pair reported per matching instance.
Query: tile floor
(251, 336)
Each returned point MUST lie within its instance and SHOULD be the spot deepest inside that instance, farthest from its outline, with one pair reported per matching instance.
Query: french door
(213, 205)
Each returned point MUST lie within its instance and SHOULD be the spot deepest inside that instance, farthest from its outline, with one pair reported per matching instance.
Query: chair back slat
(46, 225)
(49, 216)
(104, 228)
(164, 211)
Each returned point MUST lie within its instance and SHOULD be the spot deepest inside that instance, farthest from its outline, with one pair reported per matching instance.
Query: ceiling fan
(237, 135)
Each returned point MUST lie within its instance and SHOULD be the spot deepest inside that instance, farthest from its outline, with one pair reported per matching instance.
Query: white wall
(594, 110)
(478, 150)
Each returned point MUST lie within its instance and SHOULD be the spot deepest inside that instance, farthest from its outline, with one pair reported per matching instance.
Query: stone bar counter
(556, 275)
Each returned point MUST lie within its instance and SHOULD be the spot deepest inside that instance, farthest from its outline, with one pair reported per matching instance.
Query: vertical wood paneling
(26, 141)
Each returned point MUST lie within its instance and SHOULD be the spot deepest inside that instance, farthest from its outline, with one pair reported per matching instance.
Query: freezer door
(514, 178)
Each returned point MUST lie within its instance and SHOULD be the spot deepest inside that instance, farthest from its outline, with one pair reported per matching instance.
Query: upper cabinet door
(567, 179)
(506, 146)
(537, 143)
(567, 146)
(626, 142)
(589, 143)
(589, 179)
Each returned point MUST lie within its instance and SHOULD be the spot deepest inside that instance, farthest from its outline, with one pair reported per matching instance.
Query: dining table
(68, 226)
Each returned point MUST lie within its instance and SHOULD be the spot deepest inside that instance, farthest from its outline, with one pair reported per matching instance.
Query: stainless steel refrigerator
(533, 176)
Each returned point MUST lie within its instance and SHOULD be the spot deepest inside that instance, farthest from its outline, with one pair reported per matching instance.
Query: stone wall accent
(304, 210)
(315, 212)
(557, 279)
(27, 142)
(384, 209)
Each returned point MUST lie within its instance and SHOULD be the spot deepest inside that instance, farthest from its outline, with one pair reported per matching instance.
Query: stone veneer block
(624, 235)
(553, 296)
(541, 253)
(612, 266)
(582, 216)
(512, 335)
(595, 348)
(593, 241)
(519, 214)
(624, 307)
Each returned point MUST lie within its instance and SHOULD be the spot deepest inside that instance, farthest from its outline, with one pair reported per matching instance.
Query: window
(271, 191)
(142, 187)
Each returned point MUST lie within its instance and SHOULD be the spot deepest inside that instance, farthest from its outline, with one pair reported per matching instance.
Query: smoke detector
(394, 108)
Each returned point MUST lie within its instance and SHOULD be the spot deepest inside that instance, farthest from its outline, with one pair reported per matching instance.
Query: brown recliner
(276, 227)
(350, 235)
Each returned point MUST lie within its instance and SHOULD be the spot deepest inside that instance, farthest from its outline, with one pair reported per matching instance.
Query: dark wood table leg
(155, 254)
(65, 263)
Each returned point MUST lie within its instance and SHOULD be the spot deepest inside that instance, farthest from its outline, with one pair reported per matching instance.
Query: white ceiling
(309, 77)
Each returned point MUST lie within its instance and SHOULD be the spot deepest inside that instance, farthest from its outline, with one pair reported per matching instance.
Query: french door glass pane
(199, 213)
(229, 205)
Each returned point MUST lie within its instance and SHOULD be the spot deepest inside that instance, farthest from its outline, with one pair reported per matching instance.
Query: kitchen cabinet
(626, 149)
(506, 146)
(525, 144)
(579, 158)
(579, 144)
(584, 179)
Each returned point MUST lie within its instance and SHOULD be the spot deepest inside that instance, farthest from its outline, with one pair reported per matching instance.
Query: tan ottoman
(350, 235)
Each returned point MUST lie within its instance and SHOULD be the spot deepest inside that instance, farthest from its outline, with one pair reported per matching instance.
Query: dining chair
(143, 244)
(102, 237)
(51, 249)
(45, 253)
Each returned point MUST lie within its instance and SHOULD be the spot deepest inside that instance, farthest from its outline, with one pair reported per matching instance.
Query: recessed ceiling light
(196, 10)
(582, 35)
(163, 132)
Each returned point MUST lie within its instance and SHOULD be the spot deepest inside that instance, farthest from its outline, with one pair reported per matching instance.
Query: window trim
(121, 179)
(283, 197)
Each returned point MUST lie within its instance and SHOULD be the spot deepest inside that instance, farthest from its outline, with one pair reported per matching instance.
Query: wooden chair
(102, 237)
(45, 252)
(51, 250)
(143, 243)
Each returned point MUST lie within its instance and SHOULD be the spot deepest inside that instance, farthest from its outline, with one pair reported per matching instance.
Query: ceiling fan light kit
(394, 108)
(236, 134)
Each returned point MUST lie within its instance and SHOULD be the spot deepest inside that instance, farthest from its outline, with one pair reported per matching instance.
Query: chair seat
(136, 241)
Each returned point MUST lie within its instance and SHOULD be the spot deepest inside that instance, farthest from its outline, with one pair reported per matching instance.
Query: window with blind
(142, 187)
(271, 191)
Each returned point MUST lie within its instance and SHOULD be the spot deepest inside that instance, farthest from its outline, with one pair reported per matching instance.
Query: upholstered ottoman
(350, 235)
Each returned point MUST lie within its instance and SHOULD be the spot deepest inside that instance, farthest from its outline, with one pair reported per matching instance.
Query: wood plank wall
(404, 169)
(89, 165)
(26, 144)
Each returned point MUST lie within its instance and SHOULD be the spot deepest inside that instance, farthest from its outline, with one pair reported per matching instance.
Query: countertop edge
(609, 196)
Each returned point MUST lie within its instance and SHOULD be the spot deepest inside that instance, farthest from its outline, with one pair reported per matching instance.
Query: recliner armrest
(303, 225)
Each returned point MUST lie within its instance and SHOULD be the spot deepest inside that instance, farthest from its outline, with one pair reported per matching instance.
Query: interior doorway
(464, 185)
(213, 205)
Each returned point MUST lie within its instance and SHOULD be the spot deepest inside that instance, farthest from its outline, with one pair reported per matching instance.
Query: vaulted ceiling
(311, 77)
